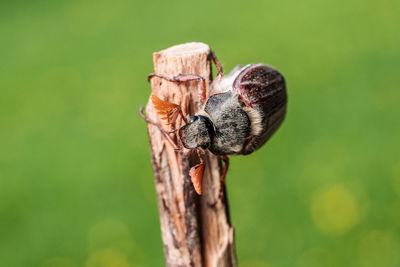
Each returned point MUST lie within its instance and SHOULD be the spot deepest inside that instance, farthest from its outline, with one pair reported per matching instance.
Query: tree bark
(194, 232)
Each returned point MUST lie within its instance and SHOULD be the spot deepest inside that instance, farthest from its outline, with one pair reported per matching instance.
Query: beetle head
(199, 132)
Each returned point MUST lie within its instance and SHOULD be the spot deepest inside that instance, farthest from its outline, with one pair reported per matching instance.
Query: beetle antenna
(166, 135)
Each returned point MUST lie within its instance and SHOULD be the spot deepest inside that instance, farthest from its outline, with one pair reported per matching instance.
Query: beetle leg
(225, 159)
(185, 78)
(166, 135)
(220, 73)
(169, 111)
(196, 173)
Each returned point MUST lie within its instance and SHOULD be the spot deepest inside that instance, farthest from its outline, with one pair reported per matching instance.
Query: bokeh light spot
(322, 166)
(108, 258)
(378, 248)
(335, 210)
(110, 234)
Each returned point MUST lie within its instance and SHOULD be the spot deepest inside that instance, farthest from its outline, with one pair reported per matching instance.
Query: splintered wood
(194, 232)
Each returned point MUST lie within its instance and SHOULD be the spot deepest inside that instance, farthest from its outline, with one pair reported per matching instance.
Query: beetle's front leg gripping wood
(193, 233)
(166, 135)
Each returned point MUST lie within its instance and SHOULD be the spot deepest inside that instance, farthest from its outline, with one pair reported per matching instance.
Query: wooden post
(194, 232)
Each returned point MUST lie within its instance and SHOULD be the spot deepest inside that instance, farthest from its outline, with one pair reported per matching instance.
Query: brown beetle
(242, 112)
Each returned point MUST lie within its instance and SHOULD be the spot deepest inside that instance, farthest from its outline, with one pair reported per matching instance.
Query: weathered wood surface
(194, 232)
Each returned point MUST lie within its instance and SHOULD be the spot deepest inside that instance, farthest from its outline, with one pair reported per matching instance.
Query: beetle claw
(196, 173)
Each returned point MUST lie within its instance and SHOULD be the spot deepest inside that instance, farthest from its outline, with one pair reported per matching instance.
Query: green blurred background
(76, 186)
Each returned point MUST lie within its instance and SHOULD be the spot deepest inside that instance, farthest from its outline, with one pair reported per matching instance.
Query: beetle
(240, 114)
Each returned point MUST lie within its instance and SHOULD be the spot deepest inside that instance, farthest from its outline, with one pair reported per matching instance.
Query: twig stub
(193, 232)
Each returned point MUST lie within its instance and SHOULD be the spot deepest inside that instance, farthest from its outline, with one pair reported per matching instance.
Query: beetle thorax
(231, 122)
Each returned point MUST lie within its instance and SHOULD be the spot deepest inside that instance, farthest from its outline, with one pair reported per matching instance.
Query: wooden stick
(194, 232)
